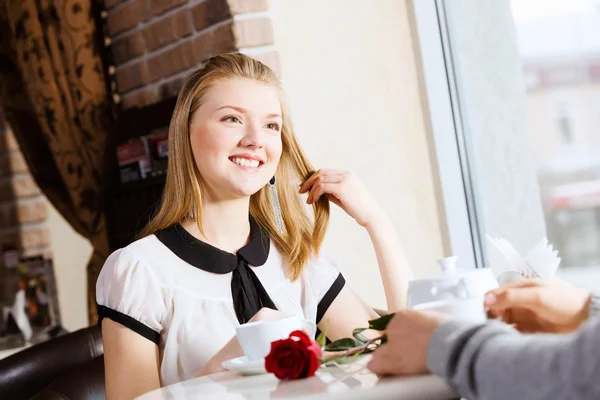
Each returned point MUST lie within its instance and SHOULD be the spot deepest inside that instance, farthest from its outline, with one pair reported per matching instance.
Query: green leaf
(380, 324)
(322, 339)
(343, 344)
(357, 335)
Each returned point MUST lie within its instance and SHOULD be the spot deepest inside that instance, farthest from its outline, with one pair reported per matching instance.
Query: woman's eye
(273, 125)
(232, 119)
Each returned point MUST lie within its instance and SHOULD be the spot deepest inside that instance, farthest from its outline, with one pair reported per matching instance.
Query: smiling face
(235, 137)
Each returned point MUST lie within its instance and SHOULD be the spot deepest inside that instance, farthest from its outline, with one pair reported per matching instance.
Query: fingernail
(490, 299)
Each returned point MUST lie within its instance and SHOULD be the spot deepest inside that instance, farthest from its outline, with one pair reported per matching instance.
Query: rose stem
(335, 354)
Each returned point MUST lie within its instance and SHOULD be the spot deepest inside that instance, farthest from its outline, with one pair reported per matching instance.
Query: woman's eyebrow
(244, 111)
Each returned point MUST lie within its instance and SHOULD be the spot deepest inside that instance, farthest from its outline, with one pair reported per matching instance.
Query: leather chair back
(86, 383)
(26, 373)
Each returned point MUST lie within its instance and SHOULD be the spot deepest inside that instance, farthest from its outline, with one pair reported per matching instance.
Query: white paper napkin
(541, 261)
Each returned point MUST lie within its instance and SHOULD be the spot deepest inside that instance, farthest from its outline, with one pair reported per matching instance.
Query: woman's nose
(253, 136)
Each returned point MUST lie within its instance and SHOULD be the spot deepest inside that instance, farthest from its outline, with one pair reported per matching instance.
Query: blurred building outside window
(559, 46)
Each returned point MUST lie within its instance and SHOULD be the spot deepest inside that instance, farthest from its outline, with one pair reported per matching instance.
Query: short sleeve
(325, 282)
(128, 293)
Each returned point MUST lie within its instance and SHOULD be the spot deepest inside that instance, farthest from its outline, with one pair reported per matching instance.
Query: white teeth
(246, 162)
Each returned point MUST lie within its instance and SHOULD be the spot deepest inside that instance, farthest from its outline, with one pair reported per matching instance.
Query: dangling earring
(192, 213)
(276, 206)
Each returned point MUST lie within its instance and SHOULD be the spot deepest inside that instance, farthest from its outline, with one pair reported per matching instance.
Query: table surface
(346, 381)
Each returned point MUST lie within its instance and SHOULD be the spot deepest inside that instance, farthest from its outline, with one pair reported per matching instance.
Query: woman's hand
(539, 306)
(346, 191)
(266, 314)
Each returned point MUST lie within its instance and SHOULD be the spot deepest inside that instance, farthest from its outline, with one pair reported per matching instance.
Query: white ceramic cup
(256, 337)
(468, 309)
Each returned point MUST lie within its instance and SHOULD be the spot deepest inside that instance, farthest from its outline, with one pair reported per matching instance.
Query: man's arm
(493, 361)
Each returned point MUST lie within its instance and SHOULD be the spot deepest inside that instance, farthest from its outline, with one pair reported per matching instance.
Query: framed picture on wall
(30, 310)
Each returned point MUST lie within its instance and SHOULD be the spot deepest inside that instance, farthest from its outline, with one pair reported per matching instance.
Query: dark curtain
(54, 95)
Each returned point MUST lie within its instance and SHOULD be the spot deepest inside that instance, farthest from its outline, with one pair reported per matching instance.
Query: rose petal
(300, 362)
(315, 349)
(279, 348)
(313, 365)
(302, 336)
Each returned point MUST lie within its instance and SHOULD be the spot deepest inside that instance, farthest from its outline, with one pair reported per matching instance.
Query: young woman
(232, 241)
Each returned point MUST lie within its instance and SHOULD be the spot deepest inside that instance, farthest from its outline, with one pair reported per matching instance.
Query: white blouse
(177, 292)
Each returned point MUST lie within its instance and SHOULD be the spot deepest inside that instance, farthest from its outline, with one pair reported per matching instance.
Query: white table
(347, 381)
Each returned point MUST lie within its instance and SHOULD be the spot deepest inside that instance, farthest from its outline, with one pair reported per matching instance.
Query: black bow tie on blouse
(248, 293)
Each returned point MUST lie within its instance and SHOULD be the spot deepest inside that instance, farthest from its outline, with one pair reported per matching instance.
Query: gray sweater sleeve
(493, 361)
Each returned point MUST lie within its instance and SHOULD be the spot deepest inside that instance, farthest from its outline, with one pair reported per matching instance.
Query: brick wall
(23, 208)
(157, 44)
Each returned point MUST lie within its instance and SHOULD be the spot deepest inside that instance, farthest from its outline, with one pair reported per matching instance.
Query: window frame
(456, 180)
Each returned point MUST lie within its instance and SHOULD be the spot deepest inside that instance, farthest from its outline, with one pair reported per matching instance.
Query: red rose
(295, 357)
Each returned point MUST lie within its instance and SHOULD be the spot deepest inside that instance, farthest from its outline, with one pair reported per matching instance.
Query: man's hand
(405, 352)
(540, 306)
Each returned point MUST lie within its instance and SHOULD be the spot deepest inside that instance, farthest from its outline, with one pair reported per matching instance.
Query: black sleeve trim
(330, 296)
(129, 322)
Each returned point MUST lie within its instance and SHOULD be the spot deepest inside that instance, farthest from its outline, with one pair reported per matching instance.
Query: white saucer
(244, 366)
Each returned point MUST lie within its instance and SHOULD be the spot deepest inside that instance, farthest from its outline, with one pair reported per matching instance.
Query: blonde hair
(302, 237)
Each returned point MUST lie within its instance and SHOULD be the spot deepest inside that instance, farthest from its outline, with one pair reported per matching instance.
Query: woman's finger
(331, 171)
(304, 187)
(312, 191)
(320, 189)
(323, 179)
(322, 173)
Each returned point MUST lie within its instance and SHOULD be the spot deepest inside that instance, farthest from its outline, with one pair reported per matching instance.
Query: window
(506, 62)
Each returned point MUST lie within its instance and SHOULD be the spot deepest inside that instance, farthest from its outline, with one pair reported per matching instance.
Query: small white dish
(244, 366)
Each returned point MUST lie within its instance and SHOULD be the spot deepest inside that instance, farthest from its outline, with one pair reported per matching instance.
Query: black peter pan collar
(212, 259)
(248, 294)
